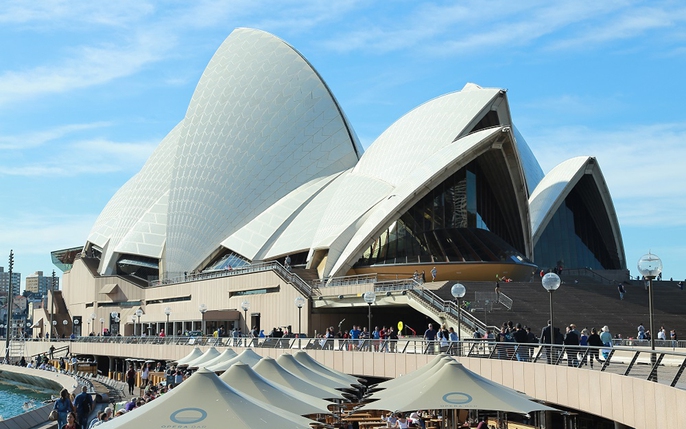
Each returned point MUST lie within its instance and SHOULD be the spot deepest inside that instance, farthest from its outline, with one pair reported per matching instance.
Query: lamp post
(74, 325)
(9, 308)
(52, 302)
(167, 312)
(65, 322)
(369, 298)
(133, 322)
(114, 322)
(458, 292)
(102, 325)
(92, 320)
(54, 327)
(245, 305)
(299, 302)
(650, 266)
(551, 282)
(203, 309)
(139, 313)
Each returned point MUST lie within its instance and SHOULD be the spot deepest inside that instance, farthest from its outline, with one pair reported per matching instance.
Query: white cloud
(96, 156)
(85, 67)
(39, 138)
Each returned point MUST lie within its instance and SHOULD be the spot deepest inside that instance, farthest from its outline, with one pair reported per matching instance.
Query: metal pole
(9, 310)
(459, 327)
(245, 319)
(552, 328)
(300, 312)
(369, 325)
(653, 359)
(166, 327)
(52, 301)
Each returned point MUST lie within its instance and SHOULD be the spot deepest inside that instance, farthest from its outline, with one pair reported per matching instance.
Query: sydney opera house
(265, 166)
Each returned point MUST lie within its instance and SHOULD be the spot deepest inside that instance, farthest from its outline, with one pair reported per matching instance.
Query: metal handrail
(666, 367)
(287, 275)
(585, 272)
(345, 280)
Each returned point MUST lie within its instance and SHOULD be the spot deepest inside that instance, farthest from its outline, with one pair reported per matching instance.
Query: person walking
(131, 378)
(594, 342)
(83, 403)
(606, 338)
(434, 273)
(63, 406)
(430, 337)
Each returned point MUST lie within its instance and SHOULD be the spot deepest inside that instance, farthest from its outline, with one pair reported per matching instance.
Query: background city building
(5, 282)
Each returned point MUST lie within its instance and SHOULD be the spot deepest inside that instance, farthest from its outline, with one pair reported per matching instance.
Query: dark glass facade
(464, 219)
(579, 234)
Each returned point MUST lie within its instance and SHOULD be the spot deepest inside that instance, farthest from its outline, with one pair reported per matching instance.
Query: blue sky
(88, 89)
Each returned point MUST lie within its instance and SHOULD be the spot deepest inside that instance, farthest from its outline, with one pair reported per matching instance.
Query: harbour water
(17, 398)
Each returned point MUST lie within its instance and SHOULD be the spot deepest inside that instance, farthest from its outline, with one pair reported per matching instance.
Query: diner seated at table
(417, 419)
(403, 422)
(390, 420)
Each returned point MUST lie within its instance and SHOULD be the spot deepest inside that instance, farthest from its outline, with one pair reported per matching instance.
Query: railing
(585, 272)
(662, 365)
(428, 297)
(359, 279)
(288, 276)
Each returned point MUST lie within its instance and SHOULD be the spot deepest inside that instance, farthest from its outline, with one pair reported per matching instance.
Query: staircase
(17, 348)
(584, 303)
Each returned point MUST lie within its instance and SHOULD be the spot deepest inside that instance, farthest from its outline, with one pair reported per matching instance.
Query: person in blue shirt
(83, 402)
(63, 406)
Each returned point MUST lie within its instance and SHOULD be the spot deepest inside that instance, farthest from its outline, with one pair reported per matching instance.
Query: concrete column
(110, 373)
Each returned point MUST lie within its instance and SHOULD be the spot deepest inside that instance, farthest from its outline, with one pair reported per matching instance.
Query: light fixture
(167, 312)
(551, 282)
(299, 302)
(650, 266)
(369, 297)
(202, 308)
(245, 305)
(458, 292)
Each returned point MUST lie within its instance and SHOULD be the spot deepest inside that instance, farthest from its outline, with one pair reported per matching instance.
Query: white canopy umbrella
(290, 364)
(194, 354)
(247, 356)
(313, 364)
(242, 378)
(209, 354)
(226, 355)
(206, 401)
(272, 371)
(435, 364)
(453, 387)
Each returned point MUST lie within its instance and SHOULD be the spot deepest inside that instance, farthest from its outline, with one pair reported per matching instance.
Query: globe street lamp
(551, 282)
(458, 292)
(650, 266)
(65, 323)
(299, 302)
(139, 313)
(133, 322)
(369, 298)
(114, 322)
(245, 305)
(167, 312)
(203, 309)
(74, 325)
(102, 325)
(92, 320)
(54, 327)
